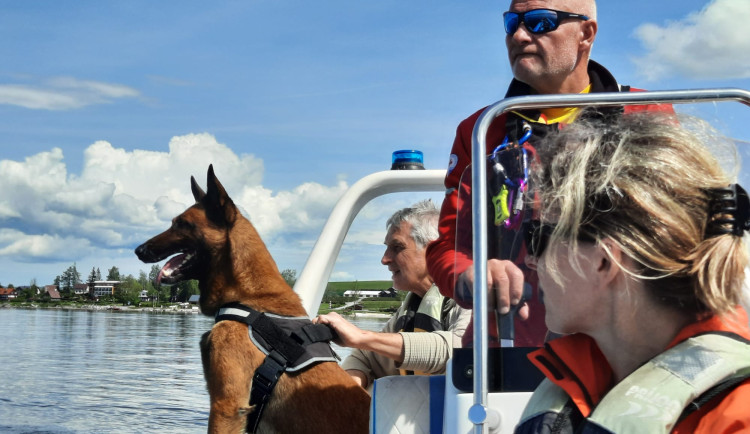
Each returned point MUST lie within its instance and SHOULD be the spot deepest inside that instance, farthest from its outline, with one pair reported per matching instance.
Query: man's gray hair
(423, 217)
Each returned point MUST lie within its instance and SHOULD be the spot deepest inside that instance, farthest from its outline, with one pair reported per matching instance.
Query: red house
(54, 294)
(7, 293)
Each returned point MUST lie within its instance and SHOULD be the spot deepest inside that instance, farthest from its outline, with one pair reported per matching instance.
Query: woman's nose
(530, 261)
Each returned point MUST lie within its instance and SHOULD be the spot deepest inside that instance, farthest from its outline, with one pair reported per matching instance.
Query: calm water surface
(68, 371)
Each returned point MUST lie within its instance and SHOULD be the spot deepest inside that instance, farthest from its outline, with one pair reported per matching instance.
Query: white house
(362, 294)
(105, 287)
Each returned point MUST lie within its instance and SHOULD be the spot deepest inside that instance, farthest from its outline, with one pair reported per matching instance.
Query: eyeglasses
(537, 21)
(537, 235)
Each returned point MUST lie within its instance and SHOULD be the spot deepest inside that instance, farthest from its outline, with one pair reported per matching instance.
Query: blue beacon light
(407, 160)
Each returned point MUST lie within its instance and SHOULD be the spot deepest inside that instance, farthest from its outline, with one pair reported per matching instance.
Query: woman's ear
(609, 259)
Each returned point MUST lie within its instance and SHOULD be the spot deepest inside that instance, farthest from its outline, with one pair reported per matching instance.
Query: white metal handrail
(311, 283)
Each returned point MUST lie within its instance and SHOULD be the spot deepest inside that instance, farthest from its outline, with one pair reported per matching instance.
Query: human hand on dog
(349, 335)
(390, 345)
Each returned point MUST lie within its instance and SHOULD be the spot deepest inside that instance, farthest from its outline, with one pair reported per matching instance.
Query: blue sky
(107, 108)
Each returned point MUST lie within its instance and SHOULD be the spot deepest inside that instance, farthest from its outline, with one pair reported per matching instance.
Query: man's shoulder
(662, 108)
(472, 119)
(469, 122)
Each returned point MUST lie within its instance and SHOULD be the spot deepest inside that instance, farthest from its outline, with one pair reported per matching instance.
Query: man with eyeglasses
(549, 43)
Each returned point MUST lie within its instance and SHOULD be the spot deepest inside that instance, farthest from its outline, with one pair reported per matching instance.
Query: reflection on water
(68, 371)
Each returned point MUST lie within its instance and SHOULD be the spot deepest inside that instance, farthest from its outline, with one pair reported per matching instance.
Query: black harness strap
(285, 351)
(241, 314)
(312, 333)
(264, 381)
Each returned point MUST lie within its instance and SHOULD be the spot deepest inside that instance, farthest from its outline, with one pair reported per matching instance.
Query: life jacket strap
(715, 391)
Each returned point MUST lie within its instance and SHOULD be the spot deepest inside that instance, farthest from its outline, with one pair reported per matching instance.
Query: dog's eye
(181, 224)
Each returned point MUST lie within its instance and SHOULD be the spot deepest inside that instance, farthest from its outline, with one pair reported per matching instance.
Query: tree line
(128, 291)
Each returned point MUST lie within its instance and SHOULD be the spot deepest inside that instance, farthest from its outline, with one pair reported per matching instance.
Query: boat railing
(312, 281)
(479, 414)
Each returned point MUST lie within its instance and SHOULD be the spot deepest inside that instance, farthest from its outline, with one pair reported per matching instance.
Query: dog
(220, 248)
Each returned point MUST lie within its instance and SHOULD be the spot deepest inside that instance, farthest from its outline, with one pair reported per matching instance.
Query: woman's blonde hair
(645, 181)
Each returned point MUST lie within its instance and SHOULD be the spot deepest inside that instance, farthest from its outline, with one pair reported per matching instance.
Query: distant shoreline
(168, 310)
(103, 308)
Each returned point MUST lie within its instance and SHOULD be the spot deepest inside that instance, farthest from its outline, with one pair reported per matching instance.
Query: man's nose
(522, 34)
(386, 259)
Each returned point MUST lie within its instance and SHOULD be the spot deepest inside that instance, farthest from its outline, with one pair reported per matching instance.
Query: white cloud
(374, 236)
(167, 208)
(37, 248)
(121, 198)
(142, 173)
(64, 93)
(93, 88)
(32, 98)
(710, 44)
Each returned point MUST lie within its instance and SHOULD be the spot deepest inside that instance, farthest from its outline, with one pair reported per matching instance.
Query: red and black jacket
(443, 261)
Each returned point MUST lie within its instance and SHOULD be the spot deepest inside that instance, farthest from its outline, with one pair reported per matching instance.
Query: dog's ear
(198, 192)
(219, 206)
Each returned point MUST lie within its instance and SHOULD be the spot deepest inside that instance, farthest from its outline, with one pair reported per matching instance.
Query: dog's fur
(232, 264)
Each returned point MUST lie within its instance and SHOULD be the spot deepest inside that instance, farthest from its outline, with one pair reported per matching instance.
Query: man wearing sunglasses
(549, 43)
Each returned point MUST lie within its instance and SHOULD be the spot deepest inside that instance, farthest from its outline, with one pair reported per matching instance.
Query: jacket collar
(575, 363)
(735, 322)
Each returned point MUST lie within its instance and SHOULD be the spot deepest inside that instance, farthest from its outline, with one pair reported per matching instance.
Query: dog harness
(290, 344)
(655, 397)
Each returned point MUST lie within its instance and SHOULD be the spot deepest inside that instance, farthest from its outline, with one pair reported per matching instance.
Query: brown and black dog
(221, 249)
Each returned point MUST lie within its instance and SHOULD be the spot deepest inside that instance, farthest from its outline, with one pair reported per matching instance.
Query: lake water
(74, 371)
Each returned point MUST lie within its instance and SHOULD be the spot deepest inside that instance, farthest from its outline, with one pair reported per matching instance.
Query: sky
(108, 108)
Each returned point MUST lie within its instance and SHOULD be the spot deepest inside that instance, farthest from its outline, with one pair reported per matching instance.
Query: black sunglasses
(537, 21)
(537, 235)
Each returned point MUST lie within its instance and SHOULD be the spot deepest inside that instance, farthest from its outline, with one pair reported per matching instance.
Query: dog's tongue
(170, 267)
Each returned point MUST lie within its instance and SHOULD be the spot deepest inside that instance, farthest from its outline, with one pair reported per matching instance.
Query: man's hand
(349, 335)
(390, 345)
(504, 285)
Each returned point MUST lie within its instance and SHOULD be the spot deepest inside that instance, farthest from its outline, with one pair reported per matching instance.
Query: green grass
(335, 292)
(381, 305)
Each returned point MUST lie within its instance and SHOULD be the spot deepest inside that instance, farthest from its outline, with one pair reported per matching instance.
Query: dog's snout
(142, 252)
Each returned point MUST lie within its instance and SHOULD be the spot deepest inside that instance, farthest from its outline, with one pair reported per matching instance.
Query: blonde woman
(640, 254)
